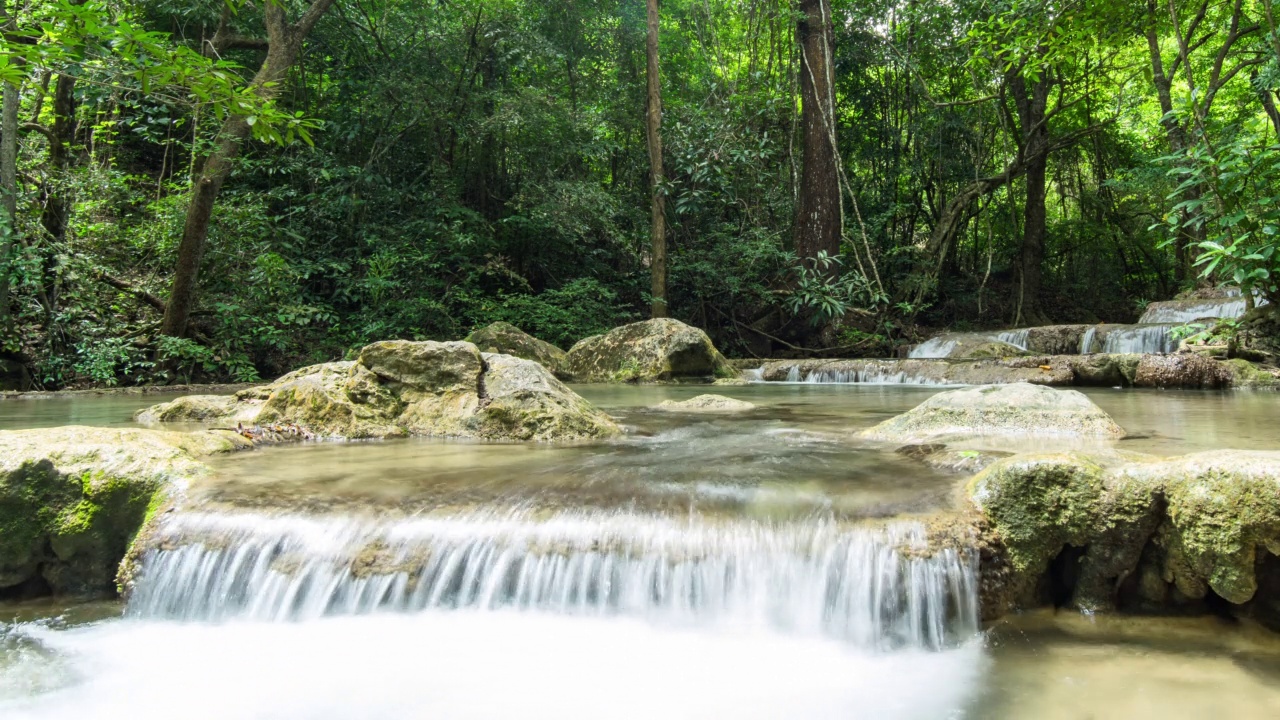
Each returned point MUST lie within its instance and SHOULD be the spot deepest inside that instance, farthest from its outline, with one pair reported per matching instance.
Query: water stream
(759, 565)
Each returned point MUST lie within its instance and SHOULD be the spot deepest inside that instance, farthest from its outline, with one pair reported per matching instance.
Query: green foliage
(1230, 194)
(825, 294)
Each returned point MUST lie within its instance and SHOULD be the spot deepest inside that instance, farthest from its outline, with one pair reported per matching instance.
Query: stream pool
(700, 567)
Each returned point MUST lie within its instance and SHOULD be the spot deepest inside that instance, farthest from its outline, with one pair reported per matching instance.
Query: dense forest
(225, 190)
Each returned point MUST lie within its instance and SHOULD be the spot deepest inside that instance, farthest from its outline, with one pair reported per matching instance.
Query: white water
(812, 578)
(933, 348)
(1088, 340)
(1147, 339)
(941, 346)
(874, 375)
(486, 666)
(1172, 313)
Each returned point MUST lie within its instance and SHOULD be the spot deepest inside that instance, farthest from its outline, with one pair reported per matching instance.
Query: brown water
(764, 476)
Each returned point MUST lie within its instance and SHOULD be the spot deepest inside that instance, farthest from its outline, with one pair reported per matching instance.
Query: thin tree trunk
(56, 205)
(8, 194)
(284, 41)
(653, 133)
(819, 216)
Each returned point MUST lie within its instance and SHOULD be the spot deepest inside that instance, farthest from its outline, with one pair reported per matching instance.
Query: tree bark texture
(1031, 101)
(284, 42)
(819, 216)
(653, 134)
(8, 193)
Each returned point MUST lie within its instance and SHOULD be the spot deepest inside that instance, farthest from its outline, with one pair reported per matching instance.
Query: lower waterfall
(875, 588)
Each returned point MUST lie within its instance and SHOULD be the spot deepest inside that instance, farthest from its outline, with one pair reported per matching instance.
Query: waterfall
(1179, 312)
(877, 588)
(1016, 338)
(868, 376)
(753, 374)
(938, 347)
(1147, 339)
(1087, 340)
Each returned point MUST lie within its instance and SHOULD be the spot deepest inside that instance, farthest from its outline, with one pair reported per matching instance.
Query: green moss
(1247, 374)
(1038, 504)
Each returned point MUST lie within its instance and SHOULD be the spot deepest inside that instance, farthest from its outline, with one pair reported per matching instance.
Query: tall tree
(653, 134)
(8, 193)
(819, 216)
(283, 43)
(1031, 100)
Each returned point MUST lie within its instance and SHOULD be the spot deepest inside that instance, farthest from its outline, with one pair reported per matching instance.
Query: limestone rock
(984, 348)
(507, 339)
(1188, 370)
(941, 457)
(398, 388)
(1018, 409)
(1107, 531)
(72, 498)
(659, 350)
(707, 404)
(524, 401)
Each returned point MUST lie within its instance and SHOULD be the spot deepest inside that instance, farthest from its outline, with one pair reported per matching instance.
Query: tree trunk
(1175, 135)
(8, 194)
(1032, 104)
(819, 215)
(284, 41)
(56, 205)
(653, 134)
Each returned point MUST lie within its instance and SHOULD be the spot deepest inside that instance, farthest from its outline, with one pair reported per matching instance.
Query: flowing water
(758, 565)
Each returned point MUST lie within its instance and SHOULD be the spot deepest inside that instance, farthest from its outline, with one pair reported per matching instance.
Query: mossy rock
(660, 350)
(506, 339)
(1164, 533)
(1017, 409)
(73, 498)
(398, 388)
(978, 349)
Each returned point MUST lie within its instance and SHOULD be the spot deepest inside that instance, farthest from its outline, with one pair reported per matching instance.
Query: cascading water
(1088, 340)
(1148, 339)
(938, 347)
(874, 588)
(1016, 338)
(1187, 311)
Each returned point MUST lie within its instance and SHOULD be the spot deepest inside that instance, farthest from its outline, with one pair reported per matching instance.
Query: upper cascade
(874, 587)
(1185, 311)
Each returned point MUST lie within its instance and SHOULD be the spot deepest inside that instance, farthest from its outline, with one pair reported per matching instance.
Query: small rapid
(874, 588)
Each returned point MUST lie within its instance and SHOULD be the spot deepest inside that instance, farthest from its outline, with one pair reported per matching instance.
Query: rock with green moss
(1018, 409)
(660, 350)
(506, 339)
(72, 498)
(1108, 531)
(984, 348)
(398, 388)
(707, 404)
(524, 401)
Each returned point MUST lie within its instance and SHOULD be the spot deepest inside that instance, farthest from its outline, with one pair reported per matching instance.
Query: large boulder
(398, 388)
(1106, 532)
(1018, 409)
(506, 339)
(523, 401)
(72, 499)
(660, 350)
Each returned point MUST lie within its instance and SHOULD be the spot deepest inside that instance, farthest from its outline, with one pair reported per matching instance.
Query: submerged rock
(507, 339)
(1020, 409)
(397, 388)
(1097, 532)
(73, 498)
(941, 457)
(660, 350)
(707, 404)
